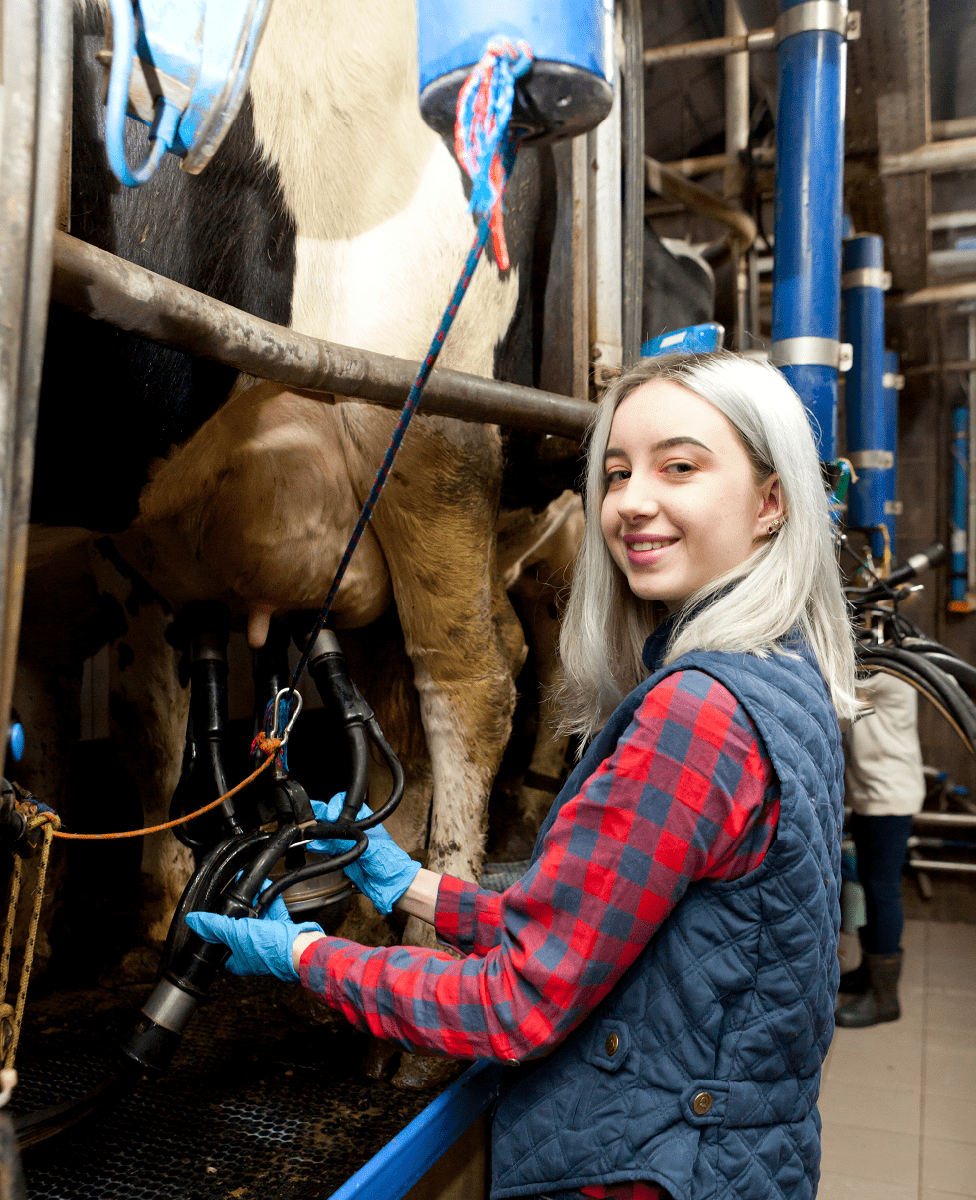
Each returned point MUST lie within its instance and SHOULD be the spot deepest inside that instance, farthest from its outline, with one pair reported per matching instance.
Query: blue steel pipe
(806, 261)
(871, 425)
(960, 502)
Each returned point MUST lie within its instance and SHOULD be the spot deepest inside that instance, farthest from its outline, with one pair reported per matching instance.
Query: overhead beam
(130, 297)
(935, 156)
(940, 294)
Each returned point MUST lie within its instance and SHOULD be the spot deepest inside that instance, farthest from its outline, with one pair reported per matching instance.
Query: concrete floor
(898, 1101)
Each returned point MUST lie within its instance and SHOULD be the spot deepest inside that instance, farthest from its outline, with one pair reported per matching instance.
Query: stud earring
(775, 525)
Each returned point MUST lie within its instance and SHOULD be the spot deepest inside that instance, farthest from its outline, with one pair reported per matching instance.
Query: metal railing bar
(405, 1159)
(956, 820)
(130, 297)
(758, 39)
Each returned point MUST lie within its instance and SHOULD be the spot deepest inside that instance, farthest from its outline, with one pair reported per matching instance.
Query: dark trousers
(881, 844)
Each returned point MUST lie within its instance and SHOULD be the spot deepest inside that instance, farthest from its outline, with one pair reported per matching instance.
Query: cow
(332, 208)
(345, 217)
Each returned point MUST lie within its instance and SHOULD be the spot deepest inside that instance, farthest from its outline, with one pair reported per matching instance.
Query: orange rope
(268, 746)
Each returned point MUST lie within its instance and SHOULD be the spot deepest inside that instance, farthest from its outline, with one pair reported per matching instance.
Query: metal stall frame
(130, 297)
(34, 72)
(923, 866)
(406, 1158)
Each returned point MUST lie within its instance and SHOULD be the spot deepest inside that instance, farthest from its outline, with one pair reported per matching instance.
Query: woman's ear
(771, 509)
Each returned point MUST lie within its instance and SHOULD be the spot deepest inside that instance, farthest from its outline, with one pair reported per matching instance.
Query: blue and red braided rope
(413, 400)
(486, 149)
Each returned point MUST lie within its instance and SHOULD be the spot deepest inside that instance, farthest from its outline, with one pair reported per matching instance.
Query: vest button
(612, 1044)
(702, 1103)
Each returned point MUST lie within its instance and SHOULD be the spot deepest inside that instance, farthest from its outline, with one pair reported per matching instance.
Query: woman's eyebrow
(678, 441)
(614, 452)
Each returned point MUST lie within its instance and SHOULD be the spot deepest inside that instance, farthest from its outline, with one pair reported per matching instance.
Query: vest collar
(657, 644)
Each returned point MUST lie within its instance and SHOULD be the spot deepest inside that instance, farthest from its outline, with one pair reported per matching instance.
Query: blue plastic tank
(569, 89)
(692, 339)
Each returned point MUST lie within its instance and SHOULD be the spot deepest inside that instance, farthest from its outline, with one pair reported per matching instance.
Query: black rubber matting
(265, 1099)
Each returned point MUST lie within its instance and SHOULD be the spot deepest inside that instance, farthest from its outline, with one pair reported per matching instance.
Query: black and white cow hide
(332, 208)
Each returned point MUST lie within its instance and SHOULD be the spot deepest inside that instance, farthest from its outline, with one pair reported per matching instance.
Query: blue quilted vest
(723, 1021)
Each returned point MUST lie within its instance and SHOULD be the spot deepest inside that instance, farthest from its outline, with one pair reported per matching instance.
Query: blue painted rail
(410, 1155)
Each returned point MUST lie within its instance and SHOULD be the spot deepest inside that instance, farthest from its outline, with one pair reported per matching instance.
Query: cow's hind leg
(436, 524)
(147, 720)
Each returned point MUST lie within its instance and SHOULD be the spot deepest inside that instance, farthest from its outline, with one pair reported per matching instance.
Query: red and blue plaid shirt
(687, 794)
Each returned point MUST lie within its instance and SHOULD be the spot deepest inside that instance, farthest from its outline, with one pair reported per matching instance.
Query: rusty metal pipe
(758, 39)
(35, 65)
(666, 182)
(110, 289)
(946, 293)
(964, 366)
(958, 127)
(956, 155)
(764, 156)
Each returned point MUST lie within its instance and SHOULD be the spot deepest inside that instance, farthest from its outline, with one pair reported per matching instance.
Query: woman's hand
(265, 946)
(383, 872)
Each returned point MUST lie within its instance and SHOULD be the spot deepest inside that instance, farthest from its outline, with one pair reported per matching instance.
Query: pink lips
(645, 557)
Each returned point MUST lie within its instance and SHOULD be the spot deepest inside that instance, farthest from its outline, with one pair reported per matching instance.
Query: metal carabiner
(275, 717)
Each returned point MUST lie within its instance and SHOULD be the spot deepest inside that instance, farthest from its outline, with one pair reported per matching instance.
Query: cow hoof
(381, 1059)
(419, 1073)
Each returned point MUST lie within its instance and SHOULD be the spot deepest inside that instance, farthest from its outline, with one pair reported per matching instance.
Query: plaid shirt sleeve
(687, 794)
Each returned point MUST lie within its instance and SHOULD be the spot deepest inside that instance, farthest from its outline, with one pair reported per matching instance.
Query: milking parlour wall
(262, 1097)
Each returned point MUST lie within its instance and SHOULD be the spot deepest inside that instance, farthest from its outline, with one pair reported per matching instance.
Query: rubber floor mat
(264, 1100)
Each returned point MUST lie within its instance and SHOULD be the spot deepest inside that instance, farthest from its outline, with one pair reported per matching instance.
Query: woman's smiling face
(682, 505)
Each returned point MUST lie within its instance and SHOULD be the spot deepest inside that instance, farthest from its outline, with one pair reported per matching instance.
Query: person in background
(662, 979)
(885, 785)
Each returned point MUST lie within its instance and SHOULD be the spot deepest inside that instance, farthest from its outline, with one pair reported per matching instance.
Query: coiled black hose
(940, 688)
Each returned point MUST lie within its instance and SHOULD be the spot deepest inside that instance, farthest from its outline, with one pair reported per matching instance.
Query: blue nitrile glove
(258, 946)
(383, 872)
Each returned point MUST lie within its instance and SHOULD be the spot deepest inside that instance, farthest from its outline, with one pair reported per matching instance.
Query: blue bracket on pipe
(410, 1155)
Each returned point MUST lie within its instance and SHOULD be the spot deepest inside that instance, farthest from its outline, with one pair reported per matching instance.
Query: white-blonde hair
(790, 581)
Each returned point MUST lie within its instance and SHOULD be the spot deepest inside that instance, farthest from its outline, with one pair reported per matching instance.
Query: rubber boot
(880, 1002)
(856, 982)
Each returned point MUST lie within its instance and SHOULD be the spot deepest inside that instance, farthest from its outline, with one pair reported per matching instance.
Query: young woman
(662, 980)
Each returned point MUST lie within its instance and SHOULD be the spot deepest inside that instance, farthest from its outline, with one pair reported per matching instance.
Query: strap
(873, 277)
(831, 16)
(812, 352)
